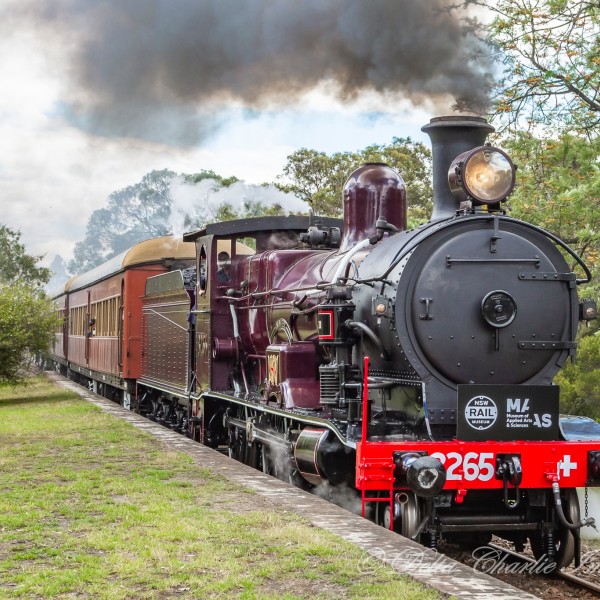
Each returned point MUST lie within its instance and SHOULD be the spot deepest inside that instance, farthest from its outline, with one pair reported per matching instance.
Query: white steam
(196, 204)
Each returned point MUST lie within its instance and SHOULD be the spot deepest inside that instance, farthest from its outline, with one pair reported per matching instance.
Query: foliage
(227, 212)
(150, 209)
(26, 315)
(215, 206)
(135, 213)
(16, 264)
(319, 178)
(579, 381)
(551, 55)
(209, 174)
(558, 188)
(27, 322)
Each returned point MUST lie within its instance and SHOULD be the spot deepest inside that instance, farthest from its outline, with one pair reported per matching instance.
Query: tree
(59, 277)
(135, 213)
(318, 178)
(209, 174)
(16, 264)
(27, 323)
(580, 381)
(250, 208)
(558, 188)
(27, 317)
(551, 55)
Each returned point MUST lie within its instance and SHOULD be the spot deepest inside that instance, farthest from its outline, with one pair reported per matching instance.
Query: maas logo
(481, 412)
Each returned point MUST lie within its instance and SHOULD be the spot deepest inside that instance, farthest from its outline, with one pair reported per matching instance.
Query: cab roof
(260, 225)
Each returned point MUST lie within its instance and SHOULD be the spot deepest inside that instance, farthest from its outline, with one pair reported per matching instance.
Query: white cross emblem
(565, 465)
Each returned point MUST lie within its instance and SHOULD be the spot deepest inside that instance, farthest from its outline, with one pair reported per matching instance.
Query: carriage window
(106, 314)
(77, 321)
(202, 270)
(62, 315)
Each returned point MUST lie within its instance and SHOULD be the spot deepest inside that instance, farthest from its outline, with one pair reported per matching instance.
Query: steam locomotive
(411, 367)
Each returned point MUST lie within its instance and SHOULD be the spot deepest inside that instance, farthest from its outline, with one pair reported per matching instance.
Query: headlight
(485, 175)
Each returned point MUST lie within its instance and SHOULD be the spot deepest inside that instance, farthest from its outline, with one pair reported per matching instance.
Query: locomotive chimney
(372, 192)
(451, 136)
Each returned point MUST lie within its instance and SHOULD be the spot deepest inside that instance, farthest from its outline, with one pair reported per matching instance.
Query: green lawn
(91, 507)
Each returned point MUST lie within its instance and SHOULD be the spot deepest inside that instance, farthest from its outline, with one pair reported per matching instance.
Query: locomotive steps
(406, 557)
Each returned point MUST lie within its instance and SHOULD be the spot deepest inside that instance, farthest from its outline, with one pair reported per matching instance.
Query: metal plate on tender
(508, 412)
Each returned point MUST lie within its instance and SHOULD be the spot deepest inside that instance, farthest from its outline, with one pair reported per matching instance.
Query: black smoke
(164, 68)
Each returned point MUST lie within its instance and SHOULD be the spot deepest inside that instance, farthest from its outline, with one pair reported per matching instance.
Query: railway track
(574, 581)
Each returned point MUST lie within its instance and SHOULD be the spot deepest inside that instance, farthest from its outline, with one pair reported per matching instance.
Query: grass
(92, 507)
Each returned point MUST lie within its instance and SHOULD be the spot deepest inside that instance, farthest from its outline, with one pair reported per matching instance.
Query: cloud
(162, 71)
(97, 93)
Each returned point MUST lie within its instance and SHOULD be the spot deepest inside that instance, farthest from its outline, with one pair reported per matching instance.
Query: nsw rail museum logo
(481, 412)
(507, 412)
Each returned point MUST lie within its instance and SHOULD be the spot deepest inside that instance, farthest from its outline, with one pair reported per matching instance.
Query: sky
(97, 93)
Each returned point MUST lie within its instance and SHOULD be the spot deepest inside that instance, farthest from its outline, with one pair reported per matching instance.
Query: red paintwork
(293, 382)
(540, 462)
(469, 465)
(120, 355)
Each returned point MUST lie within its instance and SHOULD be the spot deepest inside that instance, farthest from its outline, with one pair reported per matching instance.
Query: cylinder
(305, 454)
(320, 456)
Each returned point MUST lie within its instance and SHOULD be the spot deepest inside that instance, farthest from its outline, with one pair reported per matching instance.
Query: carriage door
(203, 320)
(120, 323)
(65, 328)
(88, 328)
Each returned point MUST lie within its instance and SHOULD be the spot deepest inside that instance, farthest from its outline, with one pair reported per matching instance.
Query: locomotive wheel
(565, 541)
(254, 456)
(407, 514)
(238, 448)
(277, 466)
(270, 464)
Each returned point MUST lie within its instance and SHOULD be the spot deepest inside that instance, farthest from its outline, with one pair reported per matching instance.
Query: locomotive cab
(232, 313)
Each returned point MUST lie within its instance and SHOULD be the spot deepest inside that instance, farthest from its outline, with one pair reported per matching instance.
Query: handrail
(365, 411)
